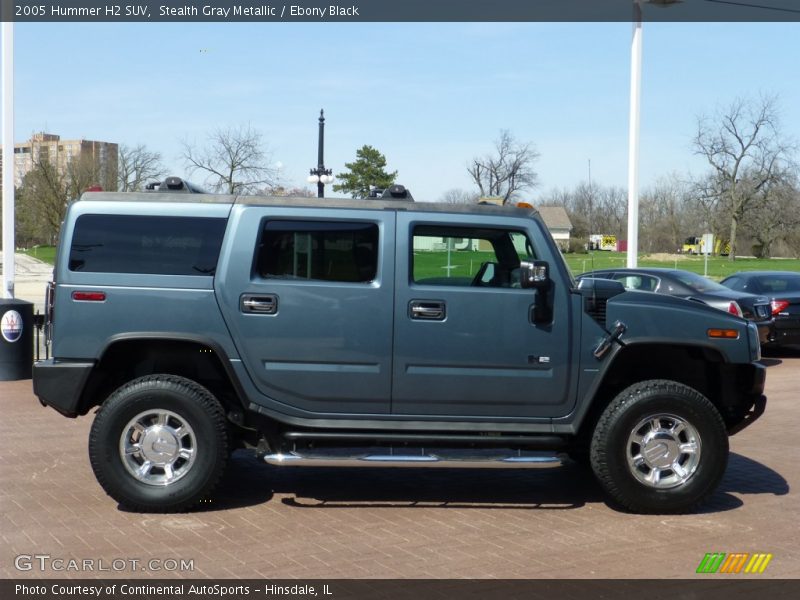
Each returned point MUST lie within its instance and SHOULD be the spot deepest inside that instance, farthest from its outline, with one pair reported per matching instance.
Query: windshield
(699, 283)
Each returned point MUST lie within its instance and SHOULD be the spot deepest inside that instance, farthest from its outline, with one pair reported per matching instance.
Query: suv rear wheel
(659, 447)
(159, 444)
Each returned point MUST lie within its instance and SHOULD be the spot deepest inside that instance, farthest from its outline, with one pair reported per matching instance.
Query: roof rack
(174, 184)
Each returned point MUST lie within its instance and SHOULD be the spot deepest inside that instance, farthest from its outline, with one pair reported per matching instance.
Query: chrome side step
(443, 459)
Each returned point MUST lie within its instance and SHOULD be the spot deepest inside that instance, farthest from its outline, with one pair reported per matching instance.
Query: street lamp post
(321, 175)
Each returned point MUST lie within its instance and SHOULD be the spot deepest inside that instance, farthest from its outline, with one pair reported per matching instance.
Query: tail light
(735, 309)
(779, 306)
(89, 296)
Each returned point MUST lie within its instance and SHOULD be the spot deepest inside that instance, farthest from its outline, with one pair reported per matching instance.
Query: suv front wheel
(159, 444)
(659, 447)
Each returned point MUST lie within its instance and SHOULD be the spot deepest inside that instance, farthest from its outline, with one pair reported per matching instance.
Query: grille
(596, 308)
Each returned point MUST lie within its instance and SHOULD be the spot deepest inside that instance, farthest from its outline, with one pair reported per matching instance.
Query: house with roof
(557, 221)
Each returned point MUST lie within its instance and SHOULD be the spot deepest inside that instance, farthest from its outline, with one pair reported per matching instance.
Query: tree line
(749, 195)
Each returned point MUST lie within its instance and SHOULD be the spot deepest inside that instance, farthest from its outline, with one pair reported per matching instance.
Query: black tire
(192, 443)
(652, 411)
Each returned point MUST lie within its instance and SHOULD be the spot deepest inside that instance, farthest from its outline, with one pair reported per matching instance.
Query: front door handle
(262, 304)
(427, 310)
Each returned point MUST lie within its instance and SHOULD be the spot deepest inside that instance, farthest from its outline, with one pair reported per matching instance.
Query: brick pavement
(394, 523)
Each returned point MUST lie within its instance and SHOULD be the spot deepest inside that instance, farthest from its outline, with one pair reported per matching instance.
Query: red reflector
(779, 306)
(728, 334)
(89, 296)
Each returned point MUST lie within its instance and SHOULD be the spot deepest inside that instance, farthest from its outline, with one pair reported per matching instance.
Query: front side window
(318, 250)
(468, 257)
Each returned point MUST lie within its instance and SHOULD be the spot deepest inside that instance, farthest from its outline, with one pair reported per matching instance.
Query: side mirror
(535, 274)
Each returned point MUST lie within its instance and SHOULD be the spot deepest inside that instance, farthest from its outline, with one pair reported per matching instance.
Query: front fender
(652, 318)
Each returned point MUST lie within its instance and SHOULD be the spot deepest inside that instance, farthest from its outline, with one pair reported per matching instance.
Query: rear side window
(318, 250)
(144, 244)
(779, 284)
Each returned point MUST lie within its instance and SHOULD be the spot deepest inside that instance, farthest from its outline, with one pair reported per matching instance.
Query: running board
(469, 460)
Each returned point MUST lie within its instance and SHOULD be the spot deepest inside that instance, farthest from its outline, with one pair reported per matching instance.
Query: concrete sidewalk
(31, 277)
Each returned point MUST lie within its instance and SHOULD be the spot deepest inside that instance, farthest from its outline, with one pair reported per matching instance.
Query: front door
(468, 341)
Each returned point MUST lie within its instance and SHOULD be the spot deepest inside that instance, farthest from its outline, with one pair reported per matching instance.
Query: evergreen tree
(367, 171)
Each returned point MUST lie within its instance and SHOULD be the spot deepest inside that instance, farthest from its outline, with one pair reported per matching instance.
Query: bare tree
(611, 211)
(136, 166)
(506, 172)
(667, 216)
(233, 160)
(42, 202)
(292, 192)
(744, 147)
(458, 196)
(775, 218)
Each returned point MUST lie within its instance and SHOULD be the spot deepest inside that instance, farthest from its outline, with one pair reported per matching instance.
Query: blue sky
(429, 96)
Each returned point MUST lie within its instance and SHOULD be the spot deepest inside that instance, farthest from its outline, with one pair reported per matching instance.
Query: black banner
(713, 588)
(398, 10)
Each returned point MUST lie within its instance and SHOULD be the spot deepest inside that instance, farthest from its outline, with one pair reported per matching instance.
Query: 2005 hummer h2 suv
(376, 332)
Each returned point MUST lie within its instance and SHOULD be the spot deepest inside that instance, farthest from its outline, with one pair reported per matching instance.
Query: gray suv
(376, 333)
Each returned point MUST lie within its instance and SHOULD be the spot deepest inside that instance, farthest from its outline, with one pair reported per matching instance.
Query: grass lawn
(719, 267)
(462, 264)
(43, 253)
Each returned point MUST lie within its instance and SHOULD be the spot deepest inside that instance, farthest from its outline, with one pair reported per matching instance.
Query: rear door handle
(427, 310)
(262, 304)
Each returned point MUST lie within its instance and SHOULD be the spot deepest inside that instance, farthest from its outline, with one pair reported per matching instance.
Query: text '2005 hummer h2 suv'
(376, 332)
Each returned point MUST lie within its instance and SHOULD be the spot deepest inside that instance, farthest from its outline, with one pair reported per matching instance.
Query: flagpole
(8, 160)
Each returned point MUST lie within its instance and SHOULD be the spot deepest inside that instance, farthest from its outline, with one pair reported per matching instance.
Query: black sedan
(685, 284)
(783, 290)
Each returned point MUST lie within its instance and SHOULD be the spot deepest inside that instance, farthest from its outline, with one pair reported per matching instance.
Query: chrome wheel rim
(663, 451)
(158, 447)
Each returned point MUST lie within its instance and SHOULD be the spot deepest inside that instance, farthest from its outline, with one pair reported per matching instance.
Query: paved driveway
(30, 279)
(387, 523)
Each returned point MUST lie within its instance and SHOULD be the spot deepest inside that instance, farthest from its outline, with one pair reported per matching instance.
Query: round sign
(11, 326)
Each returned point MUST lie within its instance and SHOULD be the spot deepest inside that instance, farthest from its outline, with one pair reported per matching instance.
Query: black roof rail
(174, 184)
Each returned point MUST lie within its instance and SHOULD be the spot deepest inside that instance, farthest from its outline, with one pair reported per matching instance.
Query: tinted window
(779, 283)
(318, 250)
(141, 244)
(637, 281)
(735, 283)
(698, 283)
(462, 256)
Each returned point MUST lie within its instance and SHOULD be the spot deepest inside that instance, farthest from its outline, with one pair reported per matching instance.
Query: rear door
(467, 341)
(307, 294)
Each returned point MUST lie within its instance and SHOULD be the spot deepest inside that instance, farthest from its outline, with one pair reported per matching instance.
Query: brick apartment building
(46, 147)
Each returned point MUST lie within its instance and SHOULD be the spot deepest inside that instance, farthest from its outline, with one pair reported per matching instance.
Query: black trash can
(16, 340)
